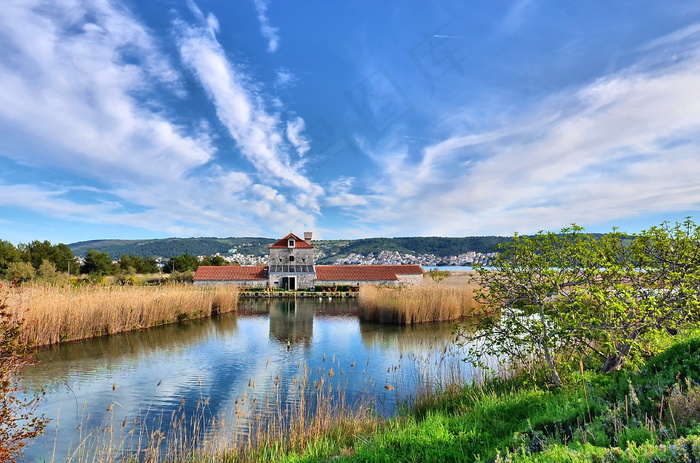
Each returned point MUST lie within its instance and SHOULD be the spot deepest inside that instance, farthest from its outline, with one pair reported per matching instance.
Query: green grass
(648, 413)
(624, 417)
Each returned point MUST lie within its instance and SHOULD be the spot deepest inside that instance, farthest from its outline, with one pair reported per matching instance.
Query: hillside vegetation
(171, 247)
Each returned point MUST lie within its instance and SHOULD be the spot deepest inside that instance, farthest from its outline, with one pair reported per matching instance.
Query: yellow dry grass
(418, 304)
(53, 314)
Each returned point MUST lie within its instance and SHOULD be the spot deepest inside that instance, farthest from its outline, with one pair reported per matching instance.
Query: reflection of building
(290, 323)
(292, 267)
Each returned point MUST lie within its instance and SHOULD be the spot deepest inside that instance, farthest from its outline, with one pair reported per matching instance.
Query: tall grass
(303, 414)
(418, 304)
(54, 314)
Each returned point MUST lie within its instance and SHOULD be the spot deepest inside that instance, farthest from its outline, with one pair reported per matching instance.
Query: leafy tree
(571, 293)
(47, 271)
(150, 265)
(438, 275)
(60, 255)
(8, 254)
(64, 258)
(20, 271)
(183, 263)
(97, 263)
(128, 264)
(18, 422)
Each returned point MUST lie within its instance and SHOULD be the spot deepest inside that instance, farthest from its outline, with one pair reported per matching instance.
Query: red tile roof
(365, 272)
(298, 244)
(231, 272)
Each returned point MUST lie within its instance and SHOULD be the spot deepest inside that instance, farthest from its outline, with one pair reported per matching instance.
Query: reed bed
(54, 314)
(418, 304)
(303, 414)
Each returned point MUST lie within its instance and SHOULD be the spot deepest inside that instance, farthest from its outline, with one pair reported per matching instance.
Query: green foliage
(60, 255)
(17, 420)
(438, 275)
(183, 263)
(136, 264)
(171, 247)
(8, 255)
(20, 271)
(573, 294)
(97, 264)
(181, 277)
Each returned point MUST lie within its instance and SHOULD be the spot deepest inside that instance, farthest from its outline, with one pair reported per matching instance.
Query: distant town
(381, 258)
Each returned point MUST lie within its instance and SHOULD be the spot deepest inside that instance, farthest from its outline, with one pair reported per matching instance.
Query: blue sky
(134, 119)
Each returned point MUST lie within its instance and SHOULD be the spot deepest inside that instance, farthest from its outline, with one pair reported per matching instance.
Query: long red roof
(231, 272)
(283, 243)
(365, 272)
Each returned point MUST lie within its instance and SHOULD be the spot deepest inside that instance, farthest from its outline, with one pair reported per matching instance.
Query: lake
(118, 387)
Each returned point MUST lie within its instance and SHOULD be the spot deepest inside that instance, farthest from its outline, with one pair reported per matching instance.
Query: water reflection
(59, 364)
(142, 380)
(291, 323)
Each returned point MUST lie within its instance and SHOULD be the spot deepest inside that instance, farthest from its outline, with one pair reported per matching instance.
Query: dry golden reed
(418, 304)
(53, 314)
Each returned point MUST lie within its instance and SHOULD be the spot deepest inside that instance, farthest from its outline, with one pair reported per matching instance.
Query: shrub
(17, 420)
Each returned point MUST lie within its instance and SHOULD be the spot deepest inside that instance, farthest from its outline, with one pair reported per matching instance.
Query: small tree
(17, 420)
(438, 275)
(569, 293)
(97, 264)
(20, 271)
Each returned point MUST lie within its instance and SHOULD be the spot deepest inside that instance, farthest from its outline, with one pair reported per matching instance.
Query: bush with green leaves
(570, 295)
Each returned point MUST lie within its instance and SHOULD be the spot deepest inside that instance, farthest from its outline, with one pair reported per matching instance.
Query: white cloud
(257, 133)
(269, 32)
(284, 78)
(82, 85)
(340, 195)
(296, 138)
(67, 97)
(622, 146)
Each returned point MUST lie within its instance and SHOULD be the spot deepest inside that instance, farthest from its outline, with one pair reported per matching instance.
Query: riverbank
(54, 314)
(651, 413)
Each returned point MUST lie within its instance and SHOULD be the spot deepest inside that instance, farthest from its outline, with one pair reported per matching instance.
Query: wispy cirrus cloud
(269, 32)
(621, 146)
(81, 56)
(259, 134)
(82, 82)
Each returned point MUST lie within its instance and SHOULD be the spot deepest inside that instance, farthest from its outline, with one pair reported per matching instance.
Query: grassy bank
(417, 304)
(651, 414)
(53, 314)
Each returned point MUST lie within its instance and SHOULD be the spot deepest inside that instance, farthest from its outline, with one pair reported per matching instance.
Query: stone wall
(410, 280)
(239, 283)
(304, 280)
(301, 256)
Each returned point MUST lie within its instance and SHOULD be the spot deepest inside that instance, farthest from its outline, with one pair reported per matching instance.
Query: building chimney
(307, 236)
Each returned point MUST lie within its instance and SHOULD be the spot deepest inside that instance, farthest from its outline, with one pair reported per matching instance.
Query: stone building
(292, 266)
(291, 263)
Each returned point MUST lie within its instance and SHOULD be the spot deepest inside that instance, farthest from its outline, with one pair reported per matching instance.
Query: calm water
(146, 379)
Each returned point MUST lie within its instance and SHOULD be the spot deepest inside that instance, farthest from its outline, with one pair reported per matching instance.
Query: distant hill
(439, 246)
(170, 247)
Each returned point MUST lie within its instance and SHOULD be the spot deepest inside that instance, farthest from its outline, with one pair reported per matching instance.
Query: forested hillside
(171, 247)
